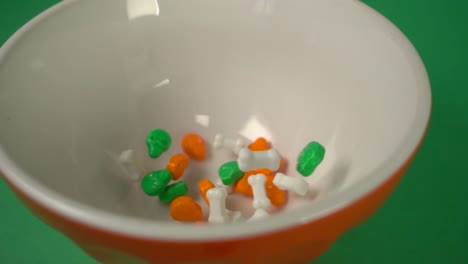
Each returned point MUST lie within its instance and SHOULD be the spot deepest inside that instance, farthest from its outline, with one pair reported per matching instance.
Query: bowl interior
(91, 80)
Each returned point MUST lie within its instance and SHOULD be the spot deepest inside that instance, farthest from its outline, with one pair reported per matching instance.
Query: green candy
(155, 182)
(173, 191)
(229, 173)
(309, 158)
(158, 141)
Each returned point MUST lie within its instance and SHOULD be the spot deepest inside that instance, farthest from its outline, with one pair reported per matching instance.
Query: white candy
(235, 145)
(235, 216)
(251, 160)
(259, 214)
(218, 212)
(287, 183)
(261, 200)
(217, 197)
(128, 164)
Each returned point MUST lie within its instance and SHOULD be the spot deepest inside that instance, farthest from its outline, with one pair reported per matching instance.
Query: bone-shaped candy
(128, 164)
(217, 197)
(251, 160)
(235, 216)
(294, 184)
(261, 200)
(235, 145)
(259, 214)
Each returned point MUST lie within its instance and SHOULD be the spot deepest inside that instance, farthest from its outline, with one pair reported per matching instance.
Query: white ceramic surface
(89, 78)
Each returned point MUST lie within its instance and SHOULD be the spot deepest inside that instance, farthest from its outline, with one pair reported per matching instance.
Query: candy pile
(258, 172)
(157, 183)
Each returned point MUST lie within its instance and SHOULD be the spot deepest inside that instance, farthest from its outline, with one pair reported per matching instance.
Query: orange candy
(276, 196)
(260, 144)
(265, 172)
(283, 165)
(185, 209)
(194, 146)
(177, 165)
(203, 186)
(243, 186)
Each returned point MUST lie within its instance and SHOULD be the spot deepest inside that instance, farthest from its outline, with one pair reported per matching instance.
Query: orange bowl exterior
(299, 244)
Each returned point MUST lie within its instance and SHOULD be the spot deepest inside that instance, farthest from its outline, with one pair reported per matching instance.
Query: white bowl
(89, 78)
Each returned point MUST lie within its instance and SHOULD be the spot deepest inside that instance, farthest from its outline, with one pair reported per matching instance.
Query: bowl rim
(148, 229)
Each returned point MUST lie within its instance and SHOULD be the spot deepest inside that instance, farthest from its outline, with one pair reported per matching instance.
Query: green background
(424, 221)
